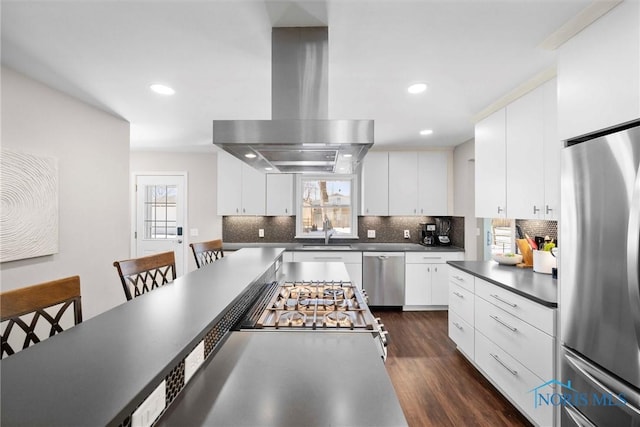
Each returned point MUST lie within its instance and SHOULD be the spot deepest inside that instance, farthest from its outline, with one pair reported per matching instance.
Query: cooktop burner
(316, 305)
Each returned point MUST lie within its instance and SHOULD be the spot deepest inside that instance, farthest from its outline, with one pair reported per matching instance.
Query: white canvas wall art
(29, 215)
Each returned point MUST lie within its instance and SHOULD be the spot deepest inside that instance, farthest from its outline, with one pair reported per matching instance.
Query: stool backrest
(144, 274)
(207, 252)
(47, 302)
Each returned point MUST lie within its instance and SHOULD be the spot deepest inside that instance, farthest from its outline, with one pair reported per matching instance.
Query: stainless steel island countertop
(290, 379)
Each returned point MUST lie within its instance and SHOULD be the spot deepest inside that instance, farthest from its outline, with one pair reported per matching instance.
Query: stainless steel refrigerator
(599, 279)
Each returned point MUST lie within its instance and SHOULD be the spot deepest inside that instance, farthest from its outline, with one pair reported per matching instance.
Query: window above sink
(322, 197)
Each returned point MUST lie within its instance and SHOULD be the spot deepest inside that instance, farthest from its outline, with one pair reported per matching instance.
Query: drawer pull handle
(511, 371)
(457, 325)
(431, 257)
(503, 323)
(458, 278)
(458, 294)
(327, 257)
(503, 301)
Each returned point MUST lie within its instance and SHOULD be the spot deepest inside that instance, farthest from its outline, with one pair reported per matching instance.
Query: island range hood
(300, 138)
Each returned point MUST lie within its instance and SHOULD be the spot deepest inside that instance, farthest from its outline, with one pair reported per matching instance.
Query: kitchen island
(99, 372)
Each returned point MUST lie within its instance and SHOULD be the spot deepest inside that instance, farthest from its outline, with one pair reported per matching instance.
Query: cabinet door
(280, 194)
(439, 284)
(552, 151)
(417, 288)
(355, 273)
(403, 183)
(375, 184)
(433, 183)
(229, 185)
(490, 168)
(525, 157)
(599, 73)
(253, 191)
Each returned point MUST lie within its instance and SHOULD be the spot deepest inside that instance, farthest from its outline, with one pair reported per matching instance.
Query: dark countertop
(354, 247)
(538, 287)
(96, 373)
(311, 378)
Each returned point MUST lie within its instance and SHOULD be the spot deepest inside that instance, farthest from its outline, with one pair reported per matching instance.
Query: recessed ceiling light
(417, 88)
(426, 132)
(347, 155)
(268, 169)
(250, 156)
(162, 89)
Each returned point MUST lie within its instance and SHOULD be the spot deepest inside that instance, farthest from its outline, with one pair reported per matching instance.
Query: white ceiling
(216, 55)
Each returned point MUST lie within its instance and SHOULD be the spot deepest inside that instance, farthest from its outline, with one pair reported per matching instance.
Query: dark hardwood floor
(435, 384)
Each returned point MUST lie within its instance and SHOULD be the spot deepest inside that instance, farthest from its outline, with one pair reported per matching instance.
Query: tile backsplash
(282, 229)
(539, 228)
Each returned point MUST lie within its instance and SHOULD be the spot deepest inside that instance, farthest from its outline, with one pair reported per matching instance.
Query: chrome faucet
(328, 230)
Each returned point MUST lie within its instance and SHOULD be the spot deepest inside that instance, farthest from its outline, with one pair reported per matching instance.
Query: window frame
(354, 205)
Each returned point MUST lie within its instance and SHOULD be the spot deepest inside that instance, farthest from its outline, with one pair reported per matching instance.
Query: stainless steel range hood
(300, 138)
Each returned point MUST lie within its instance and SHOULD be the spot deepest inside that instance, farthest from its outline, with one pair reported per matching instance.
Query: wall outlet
(371, 234)
(193, 361)
(151, 408)
(406, 234)
(261, 232)
(193, 232)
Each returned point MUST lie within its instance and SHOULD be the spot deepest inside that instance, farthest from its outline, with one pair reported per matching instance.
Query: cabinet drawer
(432, 257)
(514, 380)
(462, 334)
(530, 346)
(461, 302)
(461, 278)
(329, 256)
(531, 312)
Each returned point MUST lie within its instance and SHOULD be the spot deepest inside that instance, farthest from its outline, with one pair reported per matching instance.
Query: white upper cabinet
(254, 188)
(490, 168)
(229, 185)
(375, 184)
(280, 190)
(419, 183)
(599, 73)
(552, 151)
(433, 183)
(403, 183)
(241, 188)
(526, 185)
(525, 156)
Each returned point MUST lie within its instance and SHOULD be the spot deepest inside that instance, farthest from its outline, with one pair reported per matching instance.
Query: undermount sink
(326, 247)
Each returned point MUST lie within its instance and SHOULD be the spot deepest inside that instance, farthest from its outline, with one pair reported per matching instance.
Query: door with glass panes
(160, 216)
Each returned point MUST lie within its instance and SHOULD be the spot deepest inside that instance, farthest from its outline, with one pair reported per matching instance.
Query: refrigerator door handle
(630, 400)
(633, 248)
(577, 417)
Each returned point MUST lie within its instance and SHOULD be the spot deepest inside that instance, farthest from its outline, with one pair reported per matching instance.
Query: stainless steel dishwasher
(383, 277)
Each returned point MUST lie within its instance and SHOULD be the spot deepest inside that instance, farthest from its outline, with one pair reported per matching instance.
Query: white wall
(464, 195)
(202, 178)
(92, 148)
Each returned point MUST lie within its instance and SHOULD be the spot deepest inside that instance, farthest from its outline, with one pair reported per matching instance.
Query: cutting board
(527, 254)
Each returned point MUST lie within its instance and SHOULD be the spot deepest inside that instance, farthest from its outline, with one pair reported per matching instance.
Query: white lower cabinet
(523, 341)
(509, 338)
(512, 378)
(462, 333)
(351, 260)
(426, 278)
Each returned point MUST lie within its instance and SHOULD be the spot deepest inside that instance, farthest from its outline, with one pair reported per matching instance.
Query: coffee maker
(429, 237)
(443, 226)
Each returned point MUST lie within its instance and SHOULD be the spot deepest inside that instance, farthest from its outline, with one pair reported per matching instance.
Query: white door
(160, 216)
